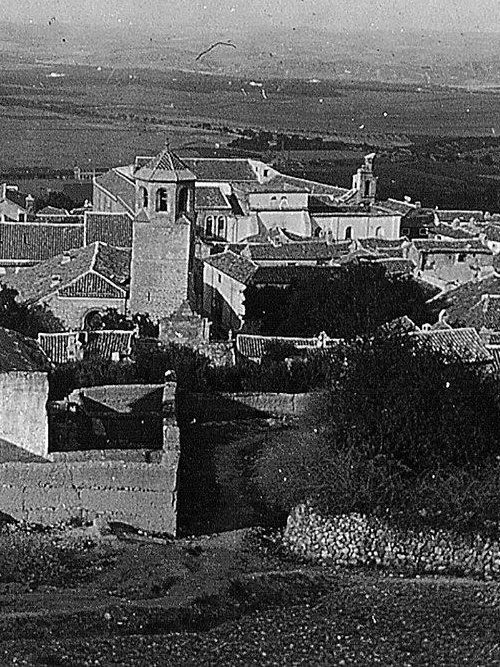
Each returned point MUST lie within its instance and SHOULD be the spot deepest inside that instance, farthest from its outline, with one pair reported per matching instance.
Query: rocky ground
(100, 596)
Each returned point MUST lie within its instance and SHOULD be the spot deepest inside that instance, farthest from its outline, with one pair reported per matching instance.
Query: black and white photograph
(249, 333)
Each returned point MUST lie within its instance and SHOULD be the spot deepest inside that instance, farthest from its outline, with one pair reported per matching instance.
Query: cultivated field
(62, 115)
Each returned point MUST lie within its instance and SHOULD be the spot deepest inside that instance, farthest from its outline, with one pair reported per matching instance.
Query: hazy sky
(456, 15)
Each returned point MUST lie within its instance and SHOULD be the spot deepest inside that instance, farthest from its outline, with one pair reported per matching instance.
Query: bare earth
(230, 599)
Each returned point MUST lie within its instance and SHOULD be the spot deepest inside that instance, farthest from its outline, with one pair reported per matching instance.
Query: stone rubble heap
(361, 540)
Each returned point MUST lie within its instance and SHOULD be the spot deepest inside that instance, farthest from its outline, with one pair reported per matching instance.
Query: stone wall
(228, 407)
(23, 416)
(359, 540)
(140, 494)
(138, 488)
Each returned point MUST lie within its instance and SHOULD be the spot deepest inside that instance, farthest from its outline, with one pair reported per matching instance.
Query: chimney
(30, 204)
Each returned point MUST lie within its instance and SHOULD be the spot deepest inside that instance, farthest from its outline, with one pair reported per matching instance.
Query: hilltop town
(209, 344)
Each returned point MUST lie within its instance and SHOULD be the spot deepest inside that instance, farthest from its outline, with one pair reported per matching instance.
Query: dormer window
(161, 200)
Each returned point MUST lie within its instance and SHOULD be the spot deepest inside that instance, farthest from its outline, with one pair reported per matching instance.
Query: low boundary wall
(228, 407)
(140, 494)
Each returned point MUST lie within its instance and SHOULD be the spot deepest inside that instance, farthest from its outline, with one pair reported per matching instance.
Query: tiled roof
(63, 347)
(451, 232)
(492, 232)
(396, 206)
(284, 275)
(254, 347)
(118, 185)
(165, 167)
(52, 210)
(210, 197)
(455, 245)
(58, 273)
(451, 215)
(281, 180)
(460, 301)
(237, 267)
(112, 228)
(18, 353)
(465, 343)
(220, 170)
(395, 264)
(38, 241)
(308, 250)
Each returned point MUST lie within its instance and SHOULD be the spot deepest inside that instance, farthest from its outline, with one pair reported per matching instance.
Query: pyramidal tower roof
(165, 167)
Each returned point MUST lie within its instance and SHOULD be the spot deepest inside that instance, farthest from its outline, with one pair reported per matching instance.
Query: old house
(24, 392)
(24, 244)
(227, 277)
(450, 262)
(15, 205)
(77, 284)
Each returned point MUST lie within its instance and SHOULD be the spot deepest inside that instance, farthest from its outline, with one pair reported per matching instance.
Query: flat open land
(230, 599)
(62, 115)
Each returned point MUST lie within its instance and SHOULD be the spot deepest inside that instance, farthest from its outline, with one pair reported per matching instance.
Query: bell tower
(162, 240)
(364, 182)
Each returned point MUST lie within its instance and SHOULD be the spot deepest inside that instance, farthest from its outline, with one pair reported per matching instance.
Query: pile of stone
(361, 540)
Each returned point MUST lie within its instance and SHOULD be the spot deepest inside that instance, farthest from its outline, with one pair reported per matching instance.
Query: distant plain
(103, 116)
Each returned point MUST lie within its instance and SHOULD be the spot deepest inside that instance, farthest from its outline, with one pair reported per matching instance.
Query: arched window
(161, 200)
(183, 200)
(348, 233)
(221, 224)
(92, 320)
(284, 202)
(274, 201)
(367, 188)
(209, 226)
(379, 232)
(144, 198)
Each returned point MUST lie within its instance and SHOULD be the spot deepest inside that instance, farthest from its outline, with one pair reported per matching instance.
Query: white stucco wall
(23, 413)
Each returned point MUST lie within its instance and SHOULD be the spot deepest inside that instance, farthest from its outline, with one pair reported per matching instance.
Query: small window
(284, 202)
(144, 197)
(184, 200)
(423, 231)
(22, 217)
(367, 188)
(348, 233)
(266, 173)
(379, 232)
(161, 200)
(274, 201)
(219, 278)
(221, 223)
(209, 226)
(405, 231)
(462, 257)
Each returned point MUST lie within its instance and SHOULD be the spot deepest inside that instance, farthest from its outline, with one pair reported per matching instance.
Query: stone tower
(163, 236)
(364, 182)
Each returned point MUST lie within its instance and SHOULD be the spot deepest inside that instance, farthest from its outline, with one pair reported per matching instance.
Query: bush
(408, 432)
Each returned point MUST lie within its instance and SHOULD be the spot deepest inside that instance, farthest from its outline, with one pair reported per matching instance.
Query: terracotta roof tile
(112, 228)
(35, 242)
(118, 185)
(237, 267)
(465, 343)
(58, 273)
(211, 197)
(19, 353)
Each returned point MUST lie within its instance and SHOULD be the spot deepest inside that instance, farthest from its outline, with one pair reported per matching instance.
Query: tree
(402, 423)
(355, 301)
(110, 318)
(27, 320)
